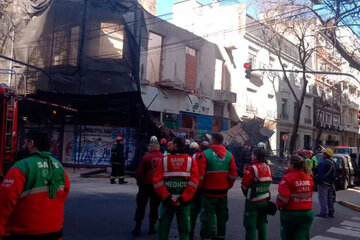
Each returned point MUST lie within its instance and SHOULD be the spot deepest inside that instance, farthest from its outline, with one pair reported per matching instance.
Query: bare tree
(335, 17)
(282, 30)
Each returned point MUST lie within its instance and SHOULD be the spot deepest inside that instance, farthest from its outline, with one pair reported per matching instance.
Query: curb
(350, 205)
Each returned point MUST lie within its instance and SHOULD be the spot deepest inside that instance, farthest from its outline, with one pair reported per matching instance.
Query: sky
(164, 7)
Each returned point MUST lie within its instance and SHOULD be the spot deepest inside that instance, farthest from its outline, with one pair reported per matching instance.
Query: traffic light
(358, 117)
(248, 70)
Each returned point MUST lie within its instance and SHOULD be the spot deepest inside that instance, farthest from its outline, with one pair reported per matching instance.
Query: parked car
(345, 173)
(355, 159)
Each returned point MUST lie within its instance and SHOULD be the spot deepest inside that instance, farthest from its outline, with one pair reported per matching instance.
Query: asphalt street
(96, 209)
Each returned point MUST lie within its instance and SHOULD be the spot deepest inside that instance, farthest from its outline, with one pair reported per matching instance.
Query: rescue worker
(256, 187)
(187, 146)
(33, 194)
(309, 159)
(175, 181)
(117, 161)
(196, 201)
(163, 145)
(315, 162)
(153, 139)
(194, 148)
(325, 184)
(144, 178)
(315, 168)
(295, 200)
(168, 147)
(217, 174)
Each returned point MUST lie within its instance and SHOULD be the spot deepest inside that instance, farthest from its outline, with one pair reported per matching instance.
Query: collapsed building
(89, 52)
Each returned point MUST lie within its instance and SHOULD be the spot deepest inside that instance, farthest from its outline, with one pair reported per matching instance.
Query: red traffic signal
(248, 70)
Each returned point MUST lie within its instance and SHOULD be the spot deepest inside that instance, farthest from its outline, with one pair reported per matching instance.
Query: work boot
(331, 215)
(321, 215)
(136, 231)
(152, 229)
(112, 181)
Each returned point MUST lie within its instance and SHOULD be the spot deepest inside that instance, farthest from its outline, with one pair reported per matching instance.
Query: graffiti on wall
(95, 145)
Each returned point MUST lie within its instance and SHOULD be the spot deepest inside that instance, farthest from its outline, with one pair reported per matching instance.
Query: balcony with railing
(351, 128)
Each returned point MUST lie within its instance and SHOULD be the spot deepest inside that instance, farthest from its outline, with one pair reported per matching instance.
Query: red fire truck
(8, 128)
(8, 125)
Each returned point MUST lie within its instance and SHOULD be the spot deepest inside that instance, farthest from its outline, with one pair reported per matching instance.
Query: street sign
(285, 137)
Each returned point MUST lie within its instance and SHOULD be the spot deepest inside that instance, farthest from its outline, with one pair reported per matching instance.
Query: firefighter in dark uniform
(118, 161)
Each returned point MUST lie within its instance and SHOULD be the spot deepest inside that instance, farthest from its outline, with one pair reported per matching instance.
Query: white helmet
(187, 142)
(261, 145)
(153, 139)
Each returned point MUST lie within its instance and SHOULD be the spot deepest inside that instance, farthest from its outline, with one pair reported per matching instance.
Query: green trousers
(166, 216)
(296, 225)
(255, 220)
(195, 210)
(214, 216)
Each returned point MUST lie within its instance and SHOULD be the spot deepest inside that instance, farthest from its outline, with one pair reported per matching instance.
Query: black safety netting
(84, 46)
(83, 54)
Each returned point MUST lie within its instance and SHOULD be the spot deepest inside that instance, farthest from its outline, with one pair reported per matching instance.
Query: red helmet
(169, 143)
(119, 138)
(163, 141)
(308, 153)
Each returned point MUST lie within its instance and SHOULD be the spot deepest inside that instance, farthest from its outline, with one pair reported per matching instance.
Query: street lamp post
(12, 44)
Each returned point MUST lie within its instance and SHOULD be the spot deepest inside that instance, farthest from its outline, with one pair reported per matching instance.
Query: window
(336, 120)
(109, 43)
(251, 57)
(295, 109)
(308, 112)
(191, 68)
(187, 121)
(74, 45)
(216, 125)
(218, 109)
(284, 106)
(218, 74)
(60, 48)
(154, 56)
(320, 116)
(328, 118)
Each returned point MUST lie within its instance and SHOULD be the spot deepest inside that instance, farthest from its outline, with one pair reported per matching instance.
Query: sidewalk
(349, 198)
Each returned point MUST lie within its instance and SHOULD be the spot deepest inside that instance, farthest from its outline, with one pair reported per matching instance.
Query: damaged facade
(185, 82)
(265, 96)
(127, 73)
